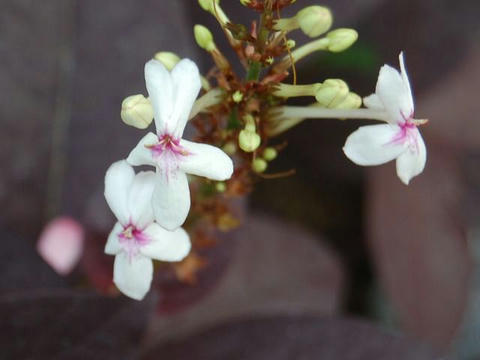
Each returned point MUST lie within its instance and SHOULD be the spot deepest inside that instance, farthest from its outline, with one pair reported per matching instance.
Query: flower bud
(332, 92)
(314, 20)
(204, 38)
(341, 39)
(259, 165)
(220, 187)
(245, 2)
(237, 96)
(249, 141)
(270, 153)
(230, 148)
(168, 59)
(290, 44)
(137, 111)
(352, 101)
(207, 5)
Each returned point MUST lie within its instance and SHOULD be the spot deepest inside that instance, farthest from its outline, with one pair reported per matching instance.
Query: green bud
(249, 141)
(204, 38)
(290, 44)
(220, 187)
(259, 165)
(249, 123)
(270, 153)
(168, 59)
(230, 148)
(352, 101)
(207, 5)
(137, 111)
(341, 39)
(332, 92)
(245, 2)
(314, 20)
(237, 96)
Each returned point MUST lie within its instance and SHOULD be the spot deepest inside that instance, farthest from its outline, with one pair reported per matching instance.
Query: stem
(213, 97)
(301, 52)
(322, 113)
(286, 24)
(254, 71)
(287, 90)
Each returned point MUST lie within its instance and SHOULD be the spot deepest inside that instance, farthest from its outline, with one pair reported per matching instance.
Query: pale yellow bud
(204, 38)
(290, 44)
(207, 5)
(352, 101)
(245, 2)
(248, 141)
(230, 148)
(168, 59)
(270, 153)
(332, 92)
(314, 20)
(137, 111)
(249, 123)
(259, 165)
(341, 39)
(237, 96)
(220, 187)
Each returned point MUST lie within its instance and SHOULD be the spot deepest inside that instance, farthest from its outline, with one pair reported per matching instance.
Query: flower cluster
(151, 207)
(237, 117)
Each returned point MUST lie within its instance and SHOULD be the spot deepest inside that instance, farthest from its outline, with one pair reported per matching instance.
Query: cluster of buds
(237, 117)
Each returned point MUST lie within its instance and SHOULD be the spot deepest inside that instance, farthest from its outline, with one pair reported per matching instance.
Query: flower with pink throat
(136, 239)
(400, 138)
(172, 95)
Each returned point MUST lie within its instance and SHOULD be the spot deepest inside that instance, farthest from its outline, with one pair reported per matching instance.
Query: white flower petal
(394, 94)
(141, 155)
(372, 145)
(186, 86)
(406, 81)
(171, 199)
(166, 245)
(373, 102)
(118, 179)
(411, 163)
(113, 247)
(140, 199)
(160, 89)
(206, 160)
(133, 276)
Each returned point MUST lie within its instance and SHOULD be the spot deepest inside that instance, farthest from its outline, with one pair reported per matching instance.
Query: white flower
(399, 138)
(172, 96)
(136, 238)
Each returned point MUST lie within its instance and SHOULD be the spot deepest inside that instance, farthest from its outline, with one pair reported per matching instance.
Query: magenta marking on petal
(168, 153)
(132, 239)
(408, 133)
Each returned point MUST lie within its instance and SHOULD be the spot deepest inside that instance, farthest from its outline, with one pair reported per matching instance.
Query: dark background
(338, 240)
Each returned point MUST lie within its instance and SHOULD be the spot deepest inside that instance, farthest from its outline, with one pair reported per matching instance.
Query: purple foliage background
(335, 241)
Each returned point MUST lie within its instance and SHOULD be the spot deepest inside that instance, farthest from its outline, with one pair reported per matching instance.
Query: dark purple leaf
(67, 324)
(417, 236)
(299, 338)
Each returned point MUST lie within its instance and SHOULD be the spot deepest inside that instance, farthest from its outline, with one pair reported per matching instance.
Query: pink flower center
(407, 134)
(168, 152)
(132, 239)
(168, 144)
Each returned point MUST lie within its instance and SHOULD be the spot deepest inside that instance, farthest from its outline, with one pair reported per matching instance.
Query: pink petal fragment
(61, 244)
